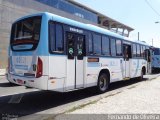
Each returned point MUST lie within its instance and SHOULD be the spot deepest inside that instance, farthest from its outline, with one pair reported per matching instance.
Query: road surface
(21, 102)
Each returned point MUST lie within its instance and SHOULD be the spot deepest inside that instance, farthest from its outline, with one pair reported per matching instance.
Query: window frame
(90, 37)
(117, 49)
(142, 51)
(111, 47)
(134, 54)
(64, 47)
(94, 33)
(12, 34)
(57, 37)
(109, 51)
(138, 55)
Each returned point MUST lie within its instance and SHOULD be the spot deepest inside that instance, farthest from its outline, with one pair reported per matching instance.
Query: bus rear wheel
(103, 83)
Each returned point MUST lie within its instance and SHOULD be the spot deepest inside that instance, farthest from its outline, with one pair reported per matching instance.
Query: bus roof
(54, 17)
(142, 42)
(27, 16)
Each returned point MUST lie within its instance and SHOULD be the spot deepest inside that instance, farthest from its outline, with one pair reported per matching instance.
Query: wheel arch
(106, 71)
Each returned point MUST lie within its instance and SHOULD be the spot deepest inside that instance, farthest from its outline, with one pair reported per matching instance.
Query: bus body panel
(27, 79)
(39, 83)
(23, 63)
(126, 66)
(74, 69)
(57, 73)
(80, 69)
(75, 60)
(134, 68)
(92, 72)
(115, 66)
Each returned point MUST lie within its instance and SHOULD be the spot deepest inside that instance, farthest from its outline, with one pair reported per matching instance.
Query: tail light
(39, 68)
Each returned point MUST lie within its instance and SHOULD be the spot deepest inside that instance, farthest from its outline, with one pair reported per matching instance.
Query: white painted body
(62, 74)
(61, 71)
(89, 72)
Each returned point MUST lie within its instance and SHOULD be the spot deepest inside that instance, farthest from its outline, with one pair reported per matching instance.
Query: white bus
(50, 52)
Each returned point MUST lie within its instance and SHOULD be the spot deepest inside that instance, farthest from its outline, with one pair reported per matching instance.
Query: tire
(103, 83)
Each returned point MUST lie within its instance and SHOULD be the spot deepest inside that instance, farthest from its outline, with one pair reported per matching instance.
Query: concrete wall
(10, 10)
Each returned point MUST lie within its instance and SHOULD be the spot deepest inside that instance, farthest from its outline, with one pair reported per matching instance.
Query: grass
(81, 106)
(72, 109)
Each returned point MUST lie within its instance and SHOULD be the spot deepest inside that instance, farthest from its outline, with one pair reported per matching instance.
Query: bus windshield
(25, 34)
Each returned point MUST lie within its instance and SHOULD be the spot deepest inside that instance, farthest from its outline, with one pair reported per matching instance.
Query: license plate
(20, 81)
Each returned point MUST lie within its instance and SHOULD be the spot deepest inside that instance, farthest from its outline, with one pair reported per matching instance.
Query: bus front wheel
(103, 83)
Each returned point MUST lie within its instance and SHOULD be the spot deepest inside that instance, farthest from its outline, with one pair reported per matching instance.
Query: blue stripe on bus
(42, 49)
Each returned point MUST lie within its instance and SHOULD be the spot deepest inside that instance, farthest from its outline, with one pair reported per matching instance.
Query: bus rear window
(25, 34)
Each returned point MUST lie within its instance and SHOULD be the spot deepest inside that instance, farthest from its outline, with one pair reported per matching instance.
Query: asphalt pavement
(36, 104)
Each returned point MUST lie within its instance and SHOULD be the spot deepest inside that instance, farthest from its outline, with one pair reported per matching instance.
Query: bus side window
(59, 38)
(134, 50)
(127, 52)
(97, 44)
(56, 38)
(52, 36)
(113, 47)
(138, 51)
(149, 56)
(90, 44)
(142, 55)
(105, 46)
(143, 51)
(71, 45)
(119, 47)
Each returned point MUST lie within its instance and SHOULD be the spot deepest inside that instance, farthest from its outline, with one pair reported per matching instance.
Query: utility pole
(138, 36)
(152, 41)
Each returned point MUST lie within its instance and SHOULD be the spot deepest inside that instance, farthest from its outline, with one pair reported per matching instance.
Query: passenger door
(126, 63)
(148, 54)
(75, 61)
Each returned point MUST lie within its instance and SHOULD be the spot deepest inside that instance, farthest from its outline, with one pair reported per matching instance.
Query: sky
(134, 13)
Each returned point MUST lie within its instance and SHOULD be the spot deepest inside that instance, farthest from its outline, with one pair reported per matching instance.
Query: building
(10, 10)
